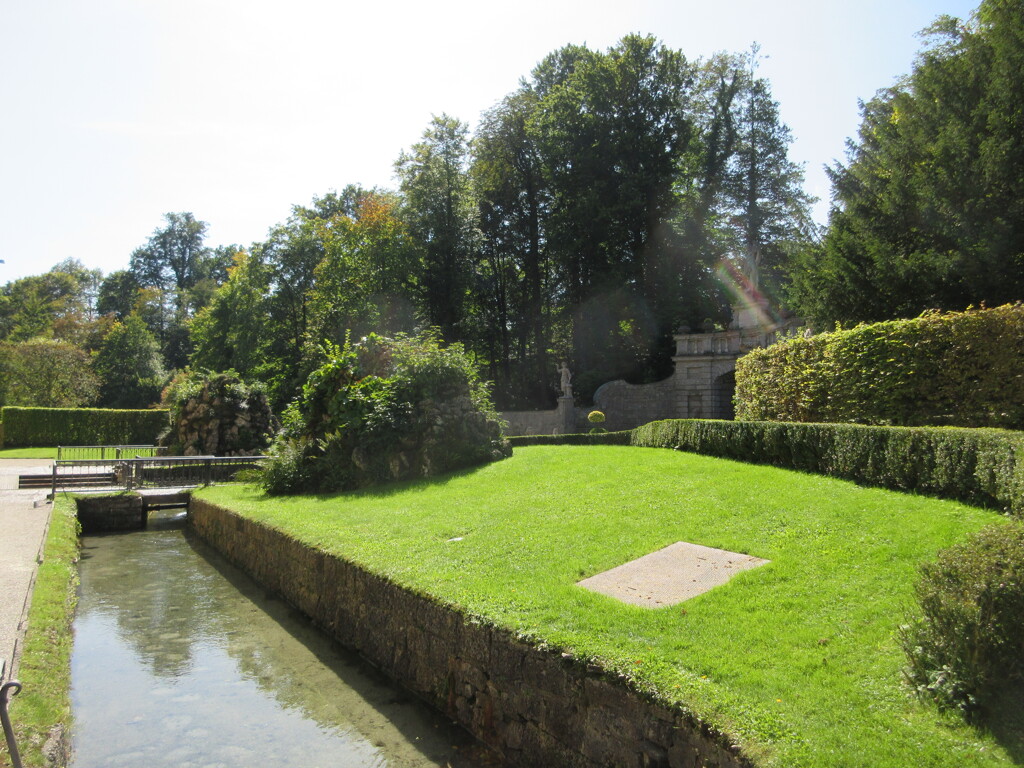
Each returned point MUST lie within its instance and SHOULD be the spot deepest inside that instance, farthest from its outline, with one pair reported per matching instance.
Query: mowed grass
(28, 453)
(796, 660)
(43, 707)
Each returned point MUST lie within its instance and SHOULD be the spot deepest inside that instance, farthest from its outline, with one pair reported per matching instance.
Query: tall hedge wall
(977, 466)
(963, 369)
(80, 426)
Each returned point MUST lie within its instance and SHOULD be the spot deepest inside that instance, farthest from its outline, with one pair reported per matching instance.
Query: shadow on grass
(387, 490)
(1005, 721)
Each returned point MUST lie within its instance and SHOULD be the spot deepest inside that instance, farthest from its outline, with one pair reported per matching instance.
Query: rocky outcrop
(222, 417)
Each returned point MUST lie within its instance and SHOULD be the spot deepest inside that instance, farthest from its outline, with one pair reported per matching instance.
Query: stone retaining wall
(536, 707)
(104, 514)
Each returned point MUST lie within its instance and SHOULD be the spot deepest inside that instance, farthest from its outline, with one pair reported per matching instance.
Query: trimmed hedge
(976, 466)
(956, 369)
(596, 438)
(26, 427)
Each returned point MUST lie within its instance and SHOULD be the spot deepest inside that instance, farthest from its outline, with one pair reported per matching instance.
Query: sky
(115, 112)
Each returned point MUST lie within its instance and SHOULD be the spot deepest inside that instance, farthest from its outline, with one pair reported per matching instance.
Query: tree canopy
(928, 212)
(585, 219)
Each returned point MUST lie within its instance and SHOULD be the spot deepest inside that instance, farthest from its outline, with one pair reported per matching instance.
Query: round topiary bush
(967, 644)
(385, 410)
(217, 414)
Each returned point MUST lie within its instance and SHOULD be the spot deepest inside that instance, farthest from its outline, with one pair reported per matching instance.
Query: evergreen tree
(928, 209)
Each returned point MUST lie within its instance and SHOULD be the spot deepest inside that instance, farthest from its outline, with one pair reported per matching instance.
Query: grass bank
(41, 712)
(796, 659)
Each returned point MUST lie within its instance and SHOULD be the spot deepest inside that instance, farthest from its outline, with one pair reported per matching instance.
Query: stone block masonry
(535, 706)
(106, 513)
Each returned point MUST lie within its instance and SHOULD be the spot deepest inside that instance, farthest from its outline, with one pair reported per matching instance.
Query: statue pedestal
(566, 415)
(752, 313)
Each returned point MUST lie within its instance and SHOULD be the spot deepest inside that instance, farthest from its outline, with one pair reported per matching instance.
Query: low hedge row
(26, 427)
(596, 438)
(976, 466)
(954, 369)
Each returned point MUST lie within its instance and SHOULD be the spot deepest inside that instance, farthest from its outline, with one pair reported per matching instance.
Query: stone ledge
(534, 706)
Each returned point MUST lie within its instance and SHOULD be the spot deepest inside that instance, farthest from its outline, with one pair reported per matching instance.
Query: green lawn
(796, 659)
(44, 703)
(28, 453)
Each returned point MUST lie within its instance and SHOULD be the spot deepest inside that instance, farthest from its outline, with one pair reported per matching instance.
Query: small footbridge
(154, 480)
(117, 486)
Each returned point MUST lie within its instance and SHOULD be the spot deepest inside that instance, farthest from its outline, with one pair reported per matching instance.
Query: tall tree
(33, 307)
(45, 373)
(611, 135)
(171, 263)
(129, 366)
(365, 281)
(927, 211)
(173, 257)
(441, 215)
(232, 332)
(514, 277)
(118, 294)
(765, 203)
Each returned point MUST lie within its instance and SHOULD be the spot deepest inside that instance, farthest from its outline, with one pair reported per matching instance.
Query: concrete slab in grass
(670, 575)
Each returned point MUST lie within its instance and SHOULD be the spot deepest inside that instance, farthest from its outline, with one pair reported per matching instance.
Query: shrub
(977, 466)
(967, 645)
(217, 414)
(384, 410)
(25, 427)
(586, 438)
(961, 369)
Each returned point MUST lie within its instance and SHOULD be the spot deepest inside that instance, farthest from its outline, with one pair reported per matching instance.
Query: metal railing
(103, 452)
(8, 689)
(185, 471)
(149, 472)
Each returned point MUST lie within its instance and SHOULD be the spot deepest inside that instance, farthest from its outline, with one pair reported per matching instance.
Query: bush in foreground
(968, 643)
(385, 410)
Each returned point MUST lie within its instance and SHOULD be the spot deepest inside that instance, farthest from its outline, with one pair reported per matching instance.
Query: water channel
(180, 660)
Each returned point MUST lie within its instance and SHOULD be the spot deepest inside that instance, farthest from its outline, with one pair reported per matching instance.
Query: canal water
(180, 660)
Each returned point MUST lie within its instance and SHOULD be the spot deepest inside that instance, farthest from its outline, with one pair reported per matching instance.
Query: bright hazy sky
(118, 111)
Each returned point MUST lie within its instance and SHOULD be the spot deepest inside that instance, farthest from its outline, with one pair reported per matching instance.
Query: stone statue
(566, 379)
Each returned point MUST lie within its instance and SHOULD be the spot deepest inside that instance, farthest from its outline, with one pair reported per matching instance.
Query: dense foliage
(984, 467)
(382, 410)
(81, 426)
(129, 365)
(217, 414)
(959, 369)
(46, 374)
(929, 209)
(966, 646)
(584, 220)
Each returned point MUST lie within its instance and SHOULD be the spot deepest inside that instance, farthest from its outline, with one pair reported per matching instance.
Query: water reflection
(179, 660)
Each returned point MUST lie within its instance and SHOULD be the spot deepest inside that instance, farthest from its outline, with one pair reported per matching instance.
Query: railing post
(53, 482)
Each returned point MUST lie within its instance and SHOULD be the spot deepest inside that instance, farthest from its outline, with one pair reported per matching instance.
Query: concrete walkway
(24, 519)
